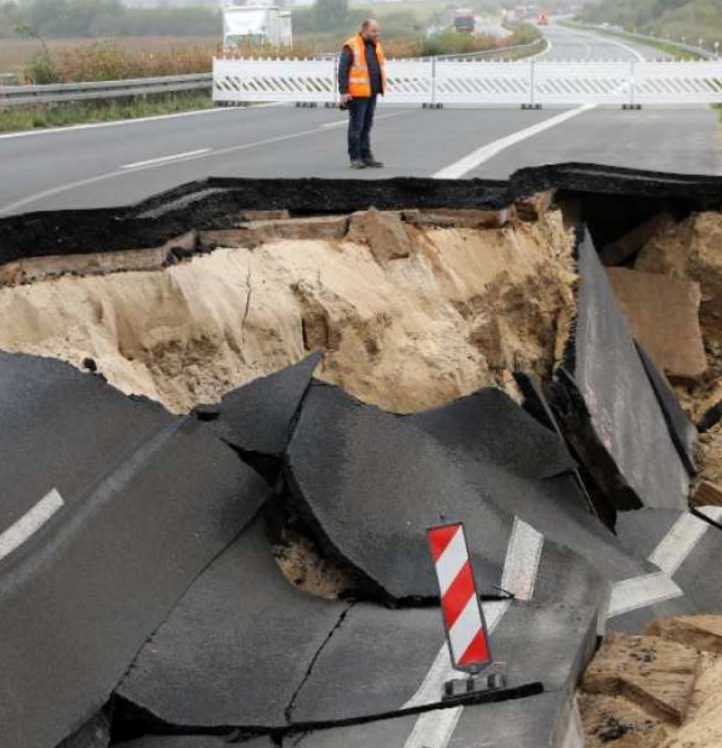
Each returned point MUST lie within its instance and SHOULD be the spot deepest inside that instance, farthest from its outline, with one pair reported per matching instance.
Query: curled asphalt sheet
(624, 412)
(128, 504)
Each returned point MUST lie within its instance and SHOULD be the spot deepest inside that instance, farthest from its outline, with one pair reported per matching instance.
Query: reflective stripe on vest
(359, 81)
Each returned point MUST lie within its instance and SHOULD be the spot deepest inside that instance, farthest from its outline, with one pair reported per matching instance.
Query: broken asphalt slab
(369, 481)
(210, 663)
(388, 672)
(256, 419)
(622, 438)
(208, 667)
(495, 443)
(95, 733)
(128, 504)
(681, 428)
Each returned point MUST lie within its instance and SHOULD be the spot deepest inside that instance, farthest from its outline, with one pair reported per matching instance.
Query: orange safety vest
(359, 80)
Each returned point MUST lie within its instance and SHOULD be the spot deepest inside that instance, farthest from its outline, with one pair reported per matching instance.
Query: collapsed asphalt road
(148, 599)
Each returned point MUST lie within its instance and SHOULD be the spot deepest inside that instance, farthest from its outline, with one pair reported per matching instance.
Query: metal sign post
(466, 631)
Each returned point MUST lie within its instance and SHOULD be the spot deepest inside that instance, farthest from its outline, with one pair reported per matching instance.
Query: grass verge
(40, 116)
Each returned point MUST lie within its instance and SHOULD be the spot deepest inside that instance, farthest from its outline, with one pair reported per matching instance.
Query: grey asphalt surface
(103, 166)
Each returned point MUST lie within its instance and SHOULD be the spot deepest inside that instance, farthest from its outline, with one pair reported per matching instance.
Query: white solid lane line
(639, 592)
(468, 163)
(29, 523)
(521, 565)
(163, 159)
(679, 542)
(670, 553)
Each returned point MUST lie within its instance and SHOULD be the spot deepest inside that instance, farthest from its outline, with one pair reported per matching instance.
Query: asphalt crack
(288, 711)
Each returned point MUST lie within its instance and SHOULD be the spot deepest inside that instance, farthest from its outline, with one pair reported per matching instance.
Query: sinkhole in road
(411, 309)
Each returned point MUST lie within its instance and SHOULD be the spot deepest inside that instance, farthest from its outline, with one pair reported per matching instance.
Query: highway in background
(121, 163)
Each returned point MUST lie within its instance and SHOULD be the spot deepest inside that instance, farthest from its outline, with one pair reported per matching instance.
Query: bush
(102, 62)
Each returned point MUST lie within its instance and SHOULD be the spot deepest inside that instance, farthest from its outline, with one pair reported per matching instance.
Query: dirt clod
(384, 232)
(301, 563)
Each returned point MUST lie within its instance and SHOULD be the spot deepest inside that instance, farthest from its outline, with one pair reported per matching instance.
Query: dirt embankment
(409, 313)
(690, 250)
(660, 690)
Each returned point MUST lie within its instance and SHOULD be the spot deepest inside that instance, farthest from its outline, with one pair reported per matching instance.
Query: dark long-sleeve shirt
(344, 69)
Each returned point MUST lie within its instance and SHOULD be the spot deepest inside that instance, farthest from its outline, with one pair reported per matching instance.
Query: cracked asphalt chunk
(369, 483)
(624, 412)
(135, 504)
(682, 430)
(394, 650)
(504, 451)
(237, 647)
(256, 419)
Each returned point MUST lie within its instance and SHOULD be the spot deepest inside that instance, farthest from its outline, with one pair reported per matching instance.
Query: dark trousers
(361, 120)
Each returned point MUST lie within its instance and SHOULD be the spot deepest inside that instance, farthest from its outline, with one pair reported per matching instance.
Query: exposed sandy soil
(463, 309)
(303, 566)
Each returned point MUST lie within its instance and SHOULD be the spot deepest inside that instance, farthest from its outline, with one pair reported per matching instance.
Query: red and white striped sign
(463, 616)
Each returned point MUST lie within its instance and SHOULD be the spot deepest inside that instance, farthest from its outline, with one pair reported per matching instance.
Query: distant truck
(465, 21)
(256, 25)
(543, 18)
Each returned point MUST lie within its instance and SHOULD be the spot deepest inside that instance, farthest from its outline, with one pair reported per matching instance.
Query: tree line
(100, 18)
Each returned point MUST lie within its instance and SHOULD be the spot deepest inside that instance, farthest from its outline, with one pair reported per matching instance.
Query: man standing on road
(361, 78)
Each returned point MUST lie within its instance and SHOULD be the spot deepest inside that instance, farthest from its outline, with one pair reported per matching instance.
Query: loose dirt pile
(410, 311)
(660, 690)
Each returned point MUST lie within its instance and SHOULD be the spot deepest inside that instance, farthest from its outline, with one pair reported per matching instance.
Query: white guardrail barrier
(526, 83)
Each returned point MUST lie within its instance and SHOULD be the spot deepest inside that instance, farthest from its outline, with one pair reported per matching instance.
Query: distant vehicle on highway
(257, 25)
(465, 21)
(543, 18)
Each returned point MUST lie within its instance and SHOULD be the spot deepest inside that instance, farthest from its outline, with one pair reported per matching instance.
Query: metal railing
(58, 92)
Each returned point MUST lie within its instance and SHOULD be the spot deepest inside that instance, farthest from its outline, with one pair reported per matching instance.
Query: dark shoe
(358, 164)
(372, 163)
